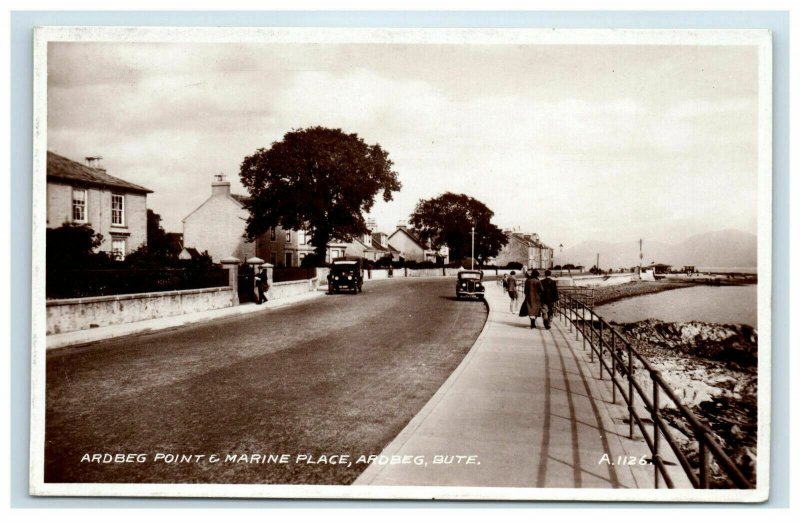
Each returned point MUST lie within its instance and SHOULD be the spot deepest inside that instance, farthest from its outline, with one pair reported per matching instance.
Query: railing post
(591, 336)
(630, 392)
(613, 368)
(656, 457)
(583, 326)
(702, 455)
(575, 317)
(600, 346)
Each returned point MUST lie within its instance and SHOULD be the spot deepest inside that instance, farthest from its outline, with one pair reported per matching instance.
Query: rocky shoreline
(713, 368)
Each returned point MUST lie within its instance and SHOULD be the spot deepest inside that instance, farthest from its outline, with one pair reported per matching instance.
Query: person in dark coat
(533, 297)
(549, 298)
(262, 286)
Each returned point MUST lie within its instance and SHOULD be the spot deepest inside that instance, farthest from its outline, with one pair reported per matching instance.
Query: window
(301, 237)
(118, 249)
(272, 236)
(288, 236)
(79, 205)
(117, 209)
(288, 259)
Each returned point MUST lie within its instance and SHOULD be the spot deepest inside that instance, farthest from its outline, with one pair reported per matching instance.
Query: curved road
(341, 374)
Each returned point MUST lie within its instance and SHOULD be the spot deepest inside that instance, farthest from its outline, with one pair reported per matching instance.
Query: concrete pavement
(529, 408)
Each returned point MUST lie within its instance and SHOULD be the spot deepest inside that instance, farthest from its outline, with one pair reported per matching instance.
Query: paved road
(341, 374)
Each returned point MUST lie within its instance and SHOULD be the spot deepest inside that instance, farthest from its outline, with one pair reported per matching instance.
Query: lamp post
(472, 257)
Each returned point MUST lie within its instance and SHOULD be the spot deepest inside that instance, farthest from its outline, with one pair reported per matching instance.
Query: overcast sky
(577, 143)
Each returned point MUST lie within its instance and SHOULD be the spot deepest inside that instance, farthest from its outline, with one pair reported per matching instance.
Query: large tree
(448, 220)
(73, 246)
(316, 179)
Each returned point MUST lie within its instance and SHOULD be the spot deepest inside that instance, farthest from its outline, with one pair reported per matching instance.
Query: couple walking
(540, 297)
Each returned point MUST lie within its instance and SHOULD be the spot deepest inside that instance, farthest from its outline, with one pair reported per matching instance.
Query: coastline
(609, 294)
(712, 366)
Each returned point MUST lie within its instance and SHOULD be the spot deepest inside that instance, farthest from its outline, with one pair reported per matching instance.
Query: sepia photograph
(488, 264)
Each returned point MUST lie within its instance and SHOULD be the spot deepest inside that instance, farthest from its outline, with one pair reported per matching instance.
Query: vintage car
(346, 274)
(470, 284)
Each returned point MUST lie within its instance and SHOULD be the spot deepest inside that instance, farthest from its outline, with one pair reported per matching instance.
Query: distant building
(372, 246)
(525, 249)
(218, 225)
(290, 247)
(87, 195)
(380, 242)
(411, 248)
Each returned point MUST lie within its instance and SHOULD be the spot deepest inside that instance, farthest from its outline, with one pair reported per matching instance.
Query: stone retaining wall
(69, 315)
(286, 289)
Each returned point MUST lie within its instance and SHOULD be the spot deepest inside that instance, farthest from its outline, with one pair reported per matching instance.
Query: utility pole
(597, 264)
(640, 256)
(472, 257)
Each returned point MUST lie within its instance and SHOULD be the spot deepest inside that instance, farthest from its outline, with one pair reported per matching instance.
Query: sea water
(710, 304)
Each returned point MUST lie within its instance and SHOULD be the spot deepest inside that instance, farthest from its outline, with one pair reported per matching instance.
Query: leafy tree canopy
(448, 220)
(317, 179)
(73, 246)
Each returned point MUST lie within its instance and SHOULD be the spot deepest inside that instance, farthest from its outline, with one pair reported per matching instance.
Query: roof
(519, 236)
(409, 234)
(191, 253)
(61, 168)
(240, 198)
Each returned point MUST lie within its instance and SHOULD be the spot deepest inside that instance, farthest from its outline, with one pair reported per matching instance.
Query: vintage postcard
(402, 263)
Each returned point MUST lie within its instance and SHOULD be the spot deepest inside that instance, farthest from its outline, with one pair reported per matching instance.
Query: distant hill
(724, 248)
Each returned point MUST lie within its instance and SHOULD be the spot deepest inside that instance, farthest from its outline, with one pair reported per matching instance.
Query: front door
(288, 262)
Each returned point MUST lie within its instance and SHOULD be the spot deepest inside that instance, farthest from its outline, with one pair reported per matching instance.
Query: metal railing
(625, 366)
(583, 294)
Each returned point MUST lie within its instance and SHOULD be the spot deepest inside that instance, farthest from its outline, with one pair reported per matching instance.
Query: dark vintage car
(346, 274)
(470, 284)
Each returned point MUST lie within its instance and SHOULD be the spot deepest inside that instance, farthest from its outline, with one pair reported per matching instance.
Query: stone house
(87, 195)
(411, 248)
(286, 248)
(289, 247)
(218, 224)
(525, 249)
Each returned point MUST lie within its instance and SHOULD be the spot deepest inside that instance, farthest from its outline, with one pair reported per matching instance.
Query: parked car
(346, 274)
(470, 284)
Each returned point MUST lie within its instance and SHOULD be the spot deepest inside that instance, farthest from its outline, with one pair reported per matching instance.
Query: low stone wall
(286, 289)
(69, 315)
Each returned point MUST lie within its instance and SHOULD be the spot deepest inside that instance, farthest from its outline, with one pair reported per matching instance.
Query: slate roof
(240, 198)
(61, 168)
(376, 242)
(529, 241)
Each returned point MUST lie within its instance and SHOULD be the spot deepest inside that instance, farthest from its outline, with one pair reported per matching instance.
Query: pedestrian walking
(511, 288)
(504, 282)
(533, 297)
(262, 286)
(549, 298)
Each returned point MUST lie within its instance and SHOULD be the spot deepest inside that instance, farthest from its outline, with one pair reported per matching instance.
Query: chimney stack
(220, 186)
(94, 162)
